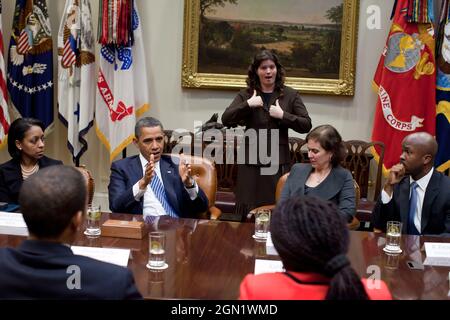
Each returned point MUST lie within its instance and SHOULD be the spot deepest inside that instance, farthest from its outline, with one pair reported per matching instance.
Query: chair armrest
(215, 213)
(354, 224)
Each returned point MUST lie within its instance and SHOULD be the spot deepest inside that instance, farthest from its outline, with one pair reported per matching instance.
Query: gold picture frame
(342, 84)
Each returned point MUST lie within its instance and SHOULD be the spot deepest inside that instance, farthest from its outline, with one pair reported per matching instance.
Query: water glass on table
(157, 251)
(393, 237)
(93, 221)
(262, 222)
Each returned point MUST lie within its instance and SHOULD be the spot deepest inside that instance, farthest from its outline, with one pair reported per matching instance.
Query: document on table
(12, 224)
(110, 255)
(437, 254)
(268, 266)
(270, 248)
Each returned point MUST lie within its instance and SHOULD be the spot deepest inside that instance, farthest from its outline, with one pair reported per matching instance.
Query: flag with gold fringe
(442, 161)
(121, 92)
(405, 79)
(76, 74)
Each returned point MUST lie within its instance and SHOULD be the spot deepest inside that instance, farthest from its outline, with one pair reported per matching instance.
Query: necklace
(28, 172)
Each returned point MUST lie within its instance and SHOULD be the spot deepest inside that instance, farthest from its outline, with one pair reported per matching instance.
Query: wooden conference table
(208, 259)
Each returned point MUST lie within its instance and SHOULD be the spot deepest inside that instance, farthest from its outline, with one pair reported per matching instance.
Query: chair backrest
(204, 173)
(358, 161)
(89, 182)
(173, 138)
(280, 185)
(297, 155)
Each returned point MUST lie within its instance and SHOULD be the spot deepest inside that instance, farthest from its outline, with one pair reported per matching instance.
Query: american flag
(4, 115)
(23, 44)
(69, 57)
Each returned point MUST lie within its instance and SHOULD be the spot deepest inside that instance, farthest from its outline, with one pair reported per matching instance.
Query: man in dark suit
(415, 193)
(151, 183)
(53, 203)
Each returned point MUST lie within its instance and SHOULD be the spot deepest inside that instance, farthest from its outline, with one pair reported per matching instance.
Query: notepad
(12, 224)
(437, 254)
(268, 266)
(111, 255)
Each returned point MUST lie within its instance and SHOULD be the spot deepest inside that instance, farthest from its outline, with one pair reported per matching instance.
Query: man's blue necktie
(160, 193)
(412, 209)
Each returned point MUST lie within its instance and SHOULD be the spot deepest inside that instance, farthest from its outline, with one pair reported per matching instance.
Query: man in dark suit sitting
(415, 193)
(53, 203)
(151, 183)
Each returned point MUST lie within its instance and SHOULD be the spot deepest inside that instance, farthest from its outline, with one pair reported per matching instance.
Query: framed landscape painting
(314, 39)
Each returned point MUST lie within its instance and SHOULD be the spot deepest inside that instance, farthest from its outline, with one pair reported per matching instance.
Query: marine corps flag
(443, 90)
(122, 77)
(405, 80)
(76, 74)
(30, 62)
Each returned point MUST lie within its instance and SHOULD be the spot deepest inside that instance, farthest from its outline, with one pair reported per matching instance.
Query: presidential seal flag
(4, 114)
(405, 80)
(443, 90)
(76, 74)
(30, 62)
(121, 84)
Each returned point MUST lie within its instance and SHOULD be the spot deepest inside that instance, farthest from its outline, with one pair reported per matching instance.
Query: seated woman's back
(312, 239)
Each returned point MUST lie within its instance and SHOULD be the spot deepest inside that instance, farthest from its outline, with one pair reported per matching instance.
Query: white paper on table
(437, 254)
(111, 255)
(13, 224)
(268, 266)
(270, 248)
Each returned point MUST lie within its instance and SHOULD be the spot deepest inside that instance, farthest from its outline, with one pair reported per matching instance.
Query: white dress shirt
(151, 205)
(422, 184)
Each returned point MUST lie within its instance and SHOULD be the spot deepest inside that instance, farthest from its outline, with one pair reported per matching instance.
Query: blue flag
(442, 161)
(30, 62)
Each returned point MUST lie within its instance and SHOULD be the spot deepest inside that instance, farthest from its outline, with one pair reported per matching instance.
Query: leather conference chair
(353, 225)
(204, 173)
(89, 182)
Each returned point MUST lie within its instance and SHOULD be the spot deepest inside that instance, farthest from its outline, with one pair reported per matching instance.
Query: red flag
(405, 81)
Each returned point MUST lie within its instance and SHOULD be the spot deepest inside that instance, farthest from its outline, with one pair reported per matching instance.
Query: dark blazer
(261, 287)
(39, 270)
(11, 177)
(337, 187)
(126, 172)
(295, 117)
(435, 209)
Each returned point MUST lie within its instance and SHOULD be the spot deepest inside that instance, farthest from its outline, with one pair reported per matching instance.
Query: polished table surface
(208, 259)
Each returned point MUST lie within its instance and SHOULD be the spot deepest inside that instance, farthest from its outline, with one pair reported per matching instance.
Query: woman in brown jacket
(267, 108)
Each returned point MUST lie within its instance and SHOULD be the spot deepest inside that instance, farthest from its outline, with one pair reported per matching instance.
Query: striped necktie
(412, 209)
(160, 193)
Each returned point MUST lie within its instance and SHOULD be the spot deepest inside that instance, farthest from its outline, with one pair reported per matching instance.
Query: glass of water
(393, 237)
(93, 220)
(157, 251)
(262, 222)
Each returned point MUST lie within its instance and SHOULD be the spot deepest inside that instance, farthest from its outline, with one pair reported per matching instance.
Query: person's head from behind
(418, 152)
(26, 139)
(149, 137)
(325, 147)
(53, 203)
(311, 236)
(265, 72)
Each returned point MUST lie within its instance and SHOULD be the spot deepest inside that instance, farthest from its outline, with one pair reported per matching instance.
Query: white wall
(176, 107)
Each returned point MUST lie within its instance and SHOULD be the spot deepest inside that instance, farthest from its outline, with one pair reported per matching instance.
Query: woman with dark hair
(26, 148)
(312, 240)
(267, 108)
(323, 177)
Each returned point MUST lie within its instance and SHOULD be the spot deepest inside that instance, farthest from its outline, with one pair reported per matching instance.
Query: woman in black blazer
(323, 177)
(26, 147)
